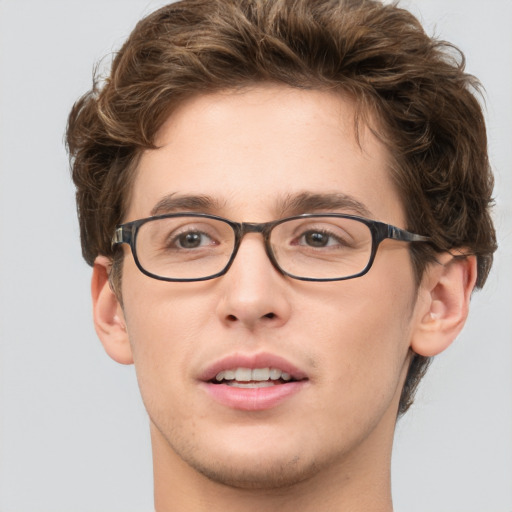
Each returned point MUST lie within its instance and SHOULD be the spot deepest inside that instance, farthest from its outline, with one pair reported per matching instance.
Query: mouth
(250, 378)
(253, 382)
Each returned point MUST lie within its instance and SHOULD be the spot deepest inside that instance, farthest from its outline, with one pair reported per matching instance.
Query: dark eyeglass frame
(127, 234)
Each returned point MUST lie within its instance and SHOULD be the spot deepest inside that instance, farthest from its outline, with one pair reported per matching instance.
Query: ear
(108, 314)
(443, 303)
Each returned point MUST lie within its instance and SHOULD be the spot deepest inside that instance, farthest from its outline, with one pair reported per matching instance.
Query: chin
(269, 474)
(261, 459)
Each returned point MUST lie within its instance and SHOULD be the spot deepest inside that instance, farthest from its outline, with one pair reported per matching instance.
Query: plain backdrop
(73, 432)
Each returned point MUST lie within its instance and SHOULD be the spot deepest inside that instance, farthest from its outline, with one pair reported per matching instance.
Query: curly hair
(415, 86)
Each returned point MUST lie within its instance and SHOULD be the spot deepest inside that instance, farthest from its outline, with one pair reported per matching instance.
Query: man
(286, 206)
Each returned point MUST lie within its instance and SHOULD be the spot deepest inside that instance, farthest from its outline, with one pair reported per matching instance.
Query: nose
(254, 294)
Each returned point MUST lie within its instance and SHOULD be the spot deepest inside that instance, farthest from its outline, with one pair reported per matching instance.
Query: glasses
(308, 247)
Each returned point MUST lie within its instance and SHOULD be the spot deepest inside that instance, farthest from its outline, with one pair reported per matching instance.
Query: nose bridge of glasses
(254, 227)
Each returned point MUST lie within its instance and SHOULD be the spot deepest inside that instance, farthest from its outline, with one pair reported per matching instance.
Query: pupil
(190, 240)
(316, 239)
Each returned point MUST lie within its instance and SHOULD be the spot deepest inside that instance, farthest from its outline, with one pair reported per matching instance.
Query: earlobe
(108, 315)
(443, 303)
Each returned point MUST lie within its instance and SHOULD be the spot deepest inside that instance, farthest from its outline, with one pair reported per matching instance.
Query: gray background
(73, 432)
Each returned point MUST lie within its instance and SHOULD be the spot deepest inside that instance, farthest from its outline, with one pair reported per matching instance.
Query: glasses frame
(127, 234)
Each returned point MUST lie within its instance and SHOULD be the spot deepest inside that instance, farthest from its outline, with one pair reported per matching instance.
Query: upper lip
(260, 360)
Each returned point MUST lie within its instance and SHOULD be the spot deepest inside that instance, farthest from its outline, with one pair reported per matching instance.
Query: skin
(327, 447)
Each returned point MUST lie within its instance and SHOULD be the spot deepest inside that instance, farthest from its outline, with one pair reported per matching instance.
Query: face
(345, 344)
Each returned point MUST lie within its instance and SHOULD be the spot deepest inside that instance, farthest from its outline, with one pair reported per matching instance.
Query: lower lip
(253, 399)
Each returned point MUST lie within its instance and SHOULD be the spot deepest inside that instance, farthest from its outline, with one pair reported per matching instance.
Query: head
(408, 93)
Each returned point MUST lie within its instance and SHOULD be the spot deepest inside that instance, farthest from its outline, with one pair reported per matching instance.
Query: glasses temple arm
(405, 236)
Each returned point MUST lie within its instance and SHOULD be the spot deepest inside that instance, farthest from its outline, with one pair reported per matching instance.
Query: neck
(360, 482)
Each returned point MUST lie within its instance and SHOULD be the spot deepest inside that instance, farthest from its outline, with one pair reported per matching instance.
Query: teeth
(259, 375)
(243, 374)
(275, 373)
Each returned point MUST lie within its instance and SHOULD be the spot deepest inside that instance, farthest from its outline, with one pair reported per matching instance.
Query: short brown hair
(414, 85)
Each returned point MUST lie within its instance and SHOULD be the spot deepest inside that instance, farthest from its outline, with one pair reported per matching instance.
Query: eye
(192, 240)
(317, 238)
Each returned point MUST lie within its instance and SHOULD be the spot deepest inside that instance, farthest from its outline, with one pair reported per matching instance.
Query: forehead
(252, 152)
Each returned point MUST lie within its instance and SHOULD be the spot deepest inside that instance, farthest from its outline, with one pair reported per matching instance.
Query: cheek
(164, 329)
(362, 334)
(165, 322)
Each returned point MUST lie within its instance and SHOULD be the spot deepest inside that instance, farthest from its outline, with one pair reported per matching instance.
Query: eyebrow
(307, 202)
(174, 202)
(296, 204)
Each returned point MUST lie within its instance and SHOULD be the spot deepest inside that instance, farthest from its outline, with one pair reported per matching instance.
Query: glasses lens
(322, 247)
(184, 247)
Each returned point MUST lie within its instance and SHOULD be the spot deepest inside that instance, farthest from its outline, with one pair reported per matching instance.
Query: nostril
(233, 318)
